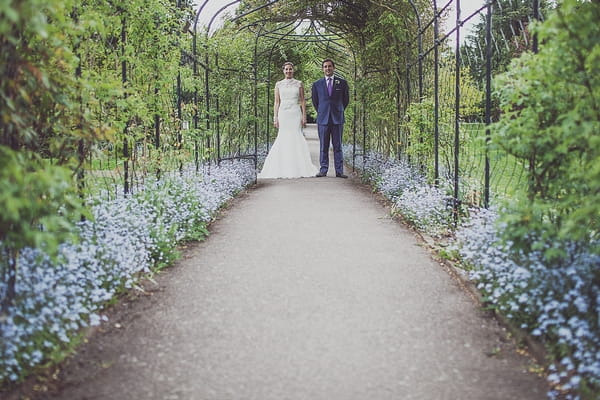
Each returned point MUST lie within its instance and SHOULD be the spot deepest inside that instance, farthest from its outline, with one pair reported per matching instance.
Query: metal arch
(420, 47)
(258, 8)
(436, 107)
(255, 98)
(267, 107)
(306, 39)
(331, 38)
(254, 10)
(354, 111)
(275, 35)
(488, 100)
(219, 12)
(206, 58)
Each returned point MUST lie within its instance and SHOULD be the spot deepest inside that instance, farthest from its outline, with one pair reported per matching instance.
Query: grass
(506, 172)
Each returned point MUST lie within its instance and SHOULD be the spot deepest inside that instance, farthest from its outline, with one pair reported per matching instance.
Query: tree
(511, 36)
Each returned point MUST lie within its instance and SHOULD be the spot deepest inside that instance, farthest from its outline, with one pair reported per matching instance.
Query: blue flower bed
(558, 303)
(427, 208)
(127, 237)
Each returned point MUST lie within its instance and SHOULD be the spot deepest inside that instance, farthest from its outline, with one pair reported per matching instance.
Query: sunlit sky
(211, 8)
(467, 8)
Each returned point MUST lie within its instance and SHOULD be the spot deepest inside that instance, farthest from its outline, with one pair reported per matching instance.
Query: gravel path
(306, 289)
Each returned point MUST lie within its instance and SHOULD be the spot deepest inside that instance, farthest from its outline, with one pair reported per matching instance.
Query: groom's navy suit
(330, 119)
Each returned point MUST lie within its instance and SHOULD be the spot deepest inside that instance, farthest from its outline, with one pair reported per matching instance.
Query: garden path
(305, 289)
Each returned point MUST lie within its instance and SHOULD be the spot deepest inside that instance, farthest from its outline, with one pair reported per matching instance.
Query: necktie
(329, 86)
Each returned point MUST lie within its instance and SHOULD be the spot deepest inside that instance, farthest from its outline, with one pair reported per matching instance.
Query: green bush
(37, 202)
(551, 122)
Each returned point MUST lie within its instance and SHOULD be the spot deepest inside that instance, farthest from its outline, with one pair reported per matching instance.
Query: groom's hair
(328, 60)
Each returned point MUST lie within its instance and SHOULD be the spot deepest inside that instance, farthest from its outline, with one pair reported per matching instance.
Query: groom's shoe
(321, 174)
(341, 176)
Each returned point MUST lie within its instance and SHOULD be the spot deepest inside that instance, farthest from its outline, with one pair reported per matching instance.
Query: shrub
(551, 123)
(556, 301)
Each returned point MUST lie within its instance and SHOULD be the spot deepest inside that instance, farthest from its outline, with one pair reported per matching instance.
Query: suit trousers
(331, 134)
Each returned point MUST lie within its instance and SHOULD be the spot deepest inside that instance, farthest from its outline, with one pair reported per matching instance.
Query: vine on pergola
(371, 42)
(380, 32)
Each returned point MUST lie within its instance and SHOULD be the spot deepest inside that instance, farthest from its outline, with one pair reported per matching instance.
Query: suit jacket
(330, 109)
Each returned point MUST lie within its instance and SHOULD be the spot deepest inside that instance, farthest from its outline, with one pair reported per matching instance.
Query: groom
(330, 96)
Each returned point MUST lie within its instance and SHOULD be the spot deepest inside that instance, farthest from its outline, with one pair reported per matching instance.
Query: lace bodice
(289, 92)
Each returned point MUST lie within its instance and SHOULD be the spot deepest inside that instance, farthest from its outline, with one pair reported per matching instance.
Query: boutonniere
(337, 82)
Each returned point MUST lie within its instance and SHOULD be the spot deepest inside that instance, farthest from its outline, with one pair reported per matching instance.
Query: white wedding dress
(289, 156)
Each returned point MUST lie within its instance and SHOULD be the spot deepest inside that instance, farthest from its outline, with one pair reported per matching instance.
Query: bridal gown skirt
(289, 156)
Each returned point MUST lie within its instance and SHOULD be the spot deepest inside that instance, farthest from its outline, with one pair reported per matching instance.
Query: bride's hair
(287, 63)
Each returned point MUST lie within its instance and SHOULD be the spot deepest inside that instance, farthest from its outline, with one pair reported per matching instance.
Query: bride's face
(288, 71)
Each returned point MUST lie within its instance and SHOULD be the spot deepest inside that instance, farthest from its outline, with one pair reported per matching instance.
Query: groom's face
(328, 68)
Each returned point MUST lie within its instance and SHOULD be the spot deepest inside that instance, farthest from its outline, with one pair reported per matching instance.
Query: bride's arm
(276, 106)
(302, 104)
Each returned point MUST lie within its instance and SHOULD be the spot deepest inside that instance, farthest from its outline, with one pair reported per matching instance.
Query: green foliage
(511, 35)
(551, 121)
(38, 201)
(37, 107)
(419, 123)
(363, 37)
(38, 78)
(381, 56)
(231, 84)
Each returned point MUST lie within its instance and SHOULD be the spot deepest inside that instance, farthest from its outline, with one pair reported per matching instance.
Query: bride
(289, 156)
